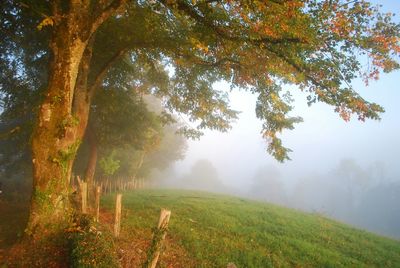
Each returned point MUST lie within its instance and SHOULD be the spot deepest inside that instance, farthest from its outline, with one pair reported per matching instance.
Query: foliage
(178, 49)
(214, 230)
(23, 61)
(171, 148)
(90, 247)
(313, 44)
(119, 117)
(109, 164)
(121, 123)
(137, 129)
(162, 149)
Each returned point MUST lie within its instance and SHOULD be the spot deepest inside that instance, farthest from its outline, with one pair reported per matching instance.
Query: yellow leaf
(45, 22)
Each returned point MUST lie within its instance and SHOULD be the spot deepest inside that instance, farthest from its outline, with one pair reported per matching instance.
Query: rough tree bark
(63, 114)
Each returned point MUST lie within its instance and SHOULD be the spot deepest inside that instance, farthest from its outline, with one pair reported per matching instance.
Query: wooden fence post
(97, 205)
(117, 216)
(155, 249)
(84, 196)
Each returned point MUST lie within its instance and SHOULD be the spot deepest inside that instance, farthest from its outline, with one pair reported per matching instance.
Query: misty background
(348, 171)
(344, 170)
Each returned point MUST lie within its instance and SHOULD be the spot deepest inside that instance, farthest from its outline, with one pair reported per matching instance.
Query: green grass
(214, 230)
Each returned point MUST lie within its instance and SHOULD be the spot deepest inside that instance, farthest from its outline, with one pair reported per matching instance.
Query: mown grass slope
(209, 230)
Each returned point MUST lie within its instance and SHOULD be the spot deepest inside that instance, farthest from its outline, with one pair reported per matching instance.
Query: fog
(348, 171)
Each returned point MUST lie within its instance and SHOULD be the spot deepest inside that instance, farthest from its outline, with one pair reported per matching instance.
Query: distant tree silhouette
(202, 176)
(267, 185)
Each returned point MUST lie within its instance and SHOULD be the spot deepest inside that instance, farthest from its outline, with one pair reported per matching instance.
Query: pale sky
(318, 144)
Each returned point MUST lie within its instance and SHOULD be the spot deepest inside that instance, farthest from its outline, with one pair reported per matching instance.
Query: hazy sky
(318, 144)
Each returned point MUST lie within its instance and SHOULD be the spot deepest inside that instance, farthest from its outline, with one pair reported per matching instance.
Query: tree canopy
(258, 45)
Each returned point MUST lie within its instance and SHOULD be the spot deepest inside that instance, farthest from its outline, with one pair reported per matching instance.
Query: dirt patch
(13, 218)
(131, 247)
(132, 252)
(37, 254)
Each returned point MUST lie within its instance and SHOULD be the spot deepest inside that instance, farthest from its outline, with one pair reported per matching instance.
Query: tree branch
(298, 68)
(103, 71)
(218, 63)
(349, 3)
(221, 32)
(106, 12)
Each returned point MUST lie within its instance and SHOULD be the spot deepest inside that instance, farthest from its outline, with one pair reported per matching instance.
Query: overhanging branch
(106, 12)
(182, 6)
(99, 77)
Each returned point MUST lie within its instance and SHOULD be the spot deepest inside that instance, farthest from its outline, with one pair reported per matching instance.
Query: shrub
(90, 247)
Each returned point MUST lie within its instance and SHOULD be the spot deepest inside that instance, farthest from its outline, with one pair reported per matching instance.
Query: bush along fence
(107, 186)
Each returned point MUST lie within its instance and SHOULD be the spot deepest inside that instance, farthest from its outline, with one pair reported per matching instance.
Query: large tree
(257, 45)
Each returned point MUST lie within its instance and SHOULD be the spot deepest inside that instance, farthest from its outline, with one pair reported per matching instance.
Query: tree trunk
(63, 114)
(139, 164)
(91, 167)
(55, 138)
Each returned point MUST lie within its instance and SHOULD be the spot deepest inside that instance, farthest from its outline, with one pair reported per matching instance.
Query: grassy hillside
(208, 230)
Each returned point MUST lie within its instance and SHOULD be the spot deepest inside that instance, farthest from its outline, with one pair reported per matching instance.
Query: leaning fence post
(117, 216)
(155, 249)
